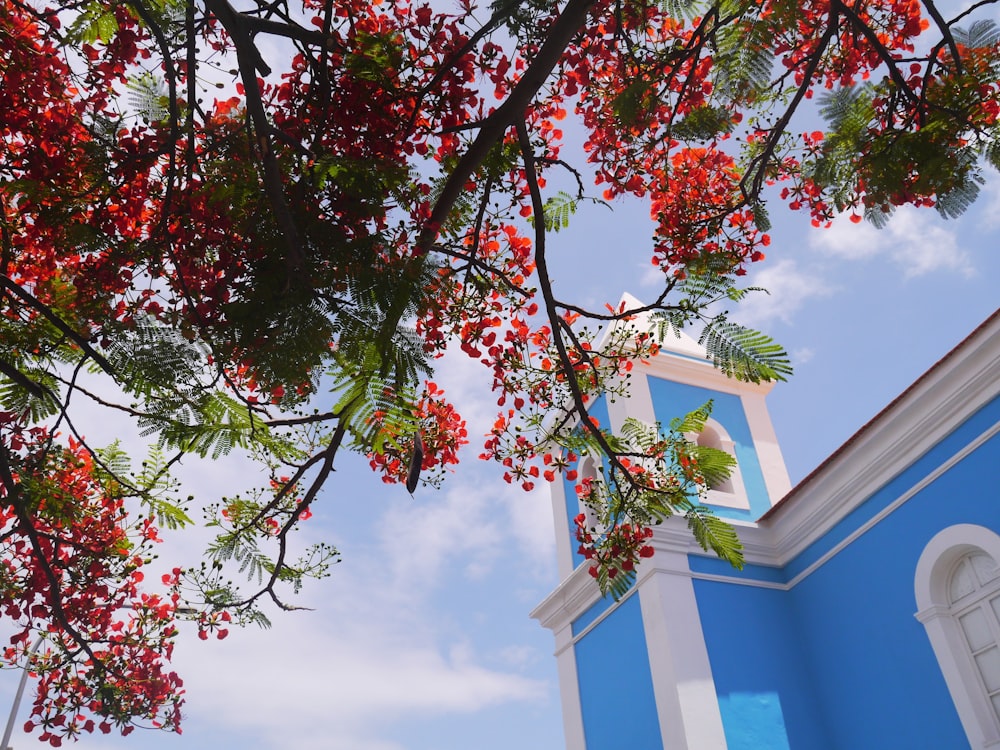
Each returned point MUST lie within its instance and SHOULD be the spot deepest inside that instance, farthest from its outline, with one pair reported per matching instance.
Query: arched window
(958, 597)
(975, 600)
(710, 438)
(730, 493)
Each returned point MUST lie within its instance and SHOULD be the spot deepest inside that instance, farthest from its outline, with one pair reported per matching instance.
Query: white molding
(571, 598)
(572, 711)
(891, 507)
(704, 374)
(930, 586)
(930, 583)
(686, 701)
(759, 549)
(766, 446)
(563, 526)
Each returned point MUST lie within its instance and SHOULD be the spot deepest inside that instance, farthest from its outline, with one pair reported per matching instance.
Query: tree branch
(562, 32)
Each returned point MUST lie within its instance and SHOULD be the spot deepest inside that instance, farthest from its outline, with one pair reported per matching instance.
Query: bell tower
(635, 673)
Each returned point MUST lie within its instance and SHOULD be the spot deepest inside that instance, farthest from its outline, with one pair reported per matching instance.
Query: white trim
(576, 638)
(930, 586)
(941, 553)
(766, 446)
(572, 712)
(563, 526)
(673, 534)
(568, 601)
(755, 539)
(951, 392)
(895, 504)
(752, 582)
(686, 701)
(680, 369)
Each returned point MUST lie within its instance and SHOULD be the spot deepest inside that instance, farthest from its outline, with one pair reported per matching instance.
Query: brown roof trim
(799, 488)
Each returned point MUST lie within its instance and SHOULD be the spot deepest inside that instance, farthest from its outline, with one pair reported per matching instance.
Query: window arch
(732, 492)
(957, 587)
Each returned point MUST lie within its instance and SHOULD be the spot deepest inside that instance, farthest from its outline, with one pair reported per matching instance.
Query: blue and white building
(867, 616)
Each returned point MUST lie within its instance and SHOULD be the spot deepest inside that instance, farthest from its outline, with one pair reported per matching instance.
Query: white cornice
(951, 392)
(574, 595)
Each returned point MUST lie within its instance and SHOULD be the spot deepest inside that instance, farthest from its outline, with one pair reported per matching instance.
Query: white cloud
(531, 525)
(914, 239)
(989, 201)
(789, 288)
(650, 276)
(801, 356)
(848, 241)
(421, 536)
(343, 682)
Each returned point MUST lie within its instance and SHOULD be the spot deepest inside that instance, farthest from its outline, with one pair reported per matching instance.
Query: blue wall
(839, 658)
(759, 667)
(616, 685)
(672, 400)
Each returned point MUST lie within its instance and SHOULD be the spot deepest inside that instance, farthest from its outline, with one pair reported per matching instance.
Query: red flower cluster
(72, 558)
(615, 550)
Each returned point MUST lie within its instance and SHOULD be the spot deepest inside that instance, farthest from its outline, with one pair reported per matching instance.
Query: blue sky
(420, 639)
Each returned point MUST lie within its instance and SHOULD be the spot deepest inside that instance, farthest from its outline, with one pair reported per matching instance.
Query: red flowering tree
(221, 238)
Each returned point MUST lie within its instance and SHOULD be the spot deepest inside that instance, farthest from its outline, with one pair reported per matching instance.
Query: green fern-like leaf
(712, 533)
(954, 201)
(148, 97)
(743, 353)
(682, 9)
(693, 421)
(702, 124)
(744, 62)
(631, 102)
(617, 586)
(714, 464)
(557, 211)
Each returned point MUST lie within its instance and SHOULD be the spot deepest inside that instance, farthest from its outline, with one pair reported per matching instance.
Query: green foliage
(153, 359)
(96, 22)
(743, 353)
(668, 474)
(147, 96)
(743, 56)
(703, 124)
(377, 57)
(632, 102)
(558, 208)
(714, 534)
(686, 9)
(153, 485)
(849, 113)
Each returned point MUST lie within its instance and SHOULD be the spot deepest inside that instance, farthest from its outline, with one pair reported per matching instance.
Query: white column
(569, 689)
(682, 676)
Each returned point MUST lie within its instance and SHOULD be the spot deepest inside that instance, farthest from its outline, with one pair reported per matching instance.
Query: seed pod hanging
(416, 461)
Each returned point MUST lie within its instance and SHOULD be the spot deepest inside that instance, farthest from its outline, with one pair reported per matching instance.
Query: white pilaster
(686, 701)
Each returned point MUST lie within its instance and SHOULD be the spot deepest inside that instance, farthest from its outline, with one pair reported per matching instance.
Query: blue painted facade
(820, 642)
(857, 670)
(616, 685)
(672, 399)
